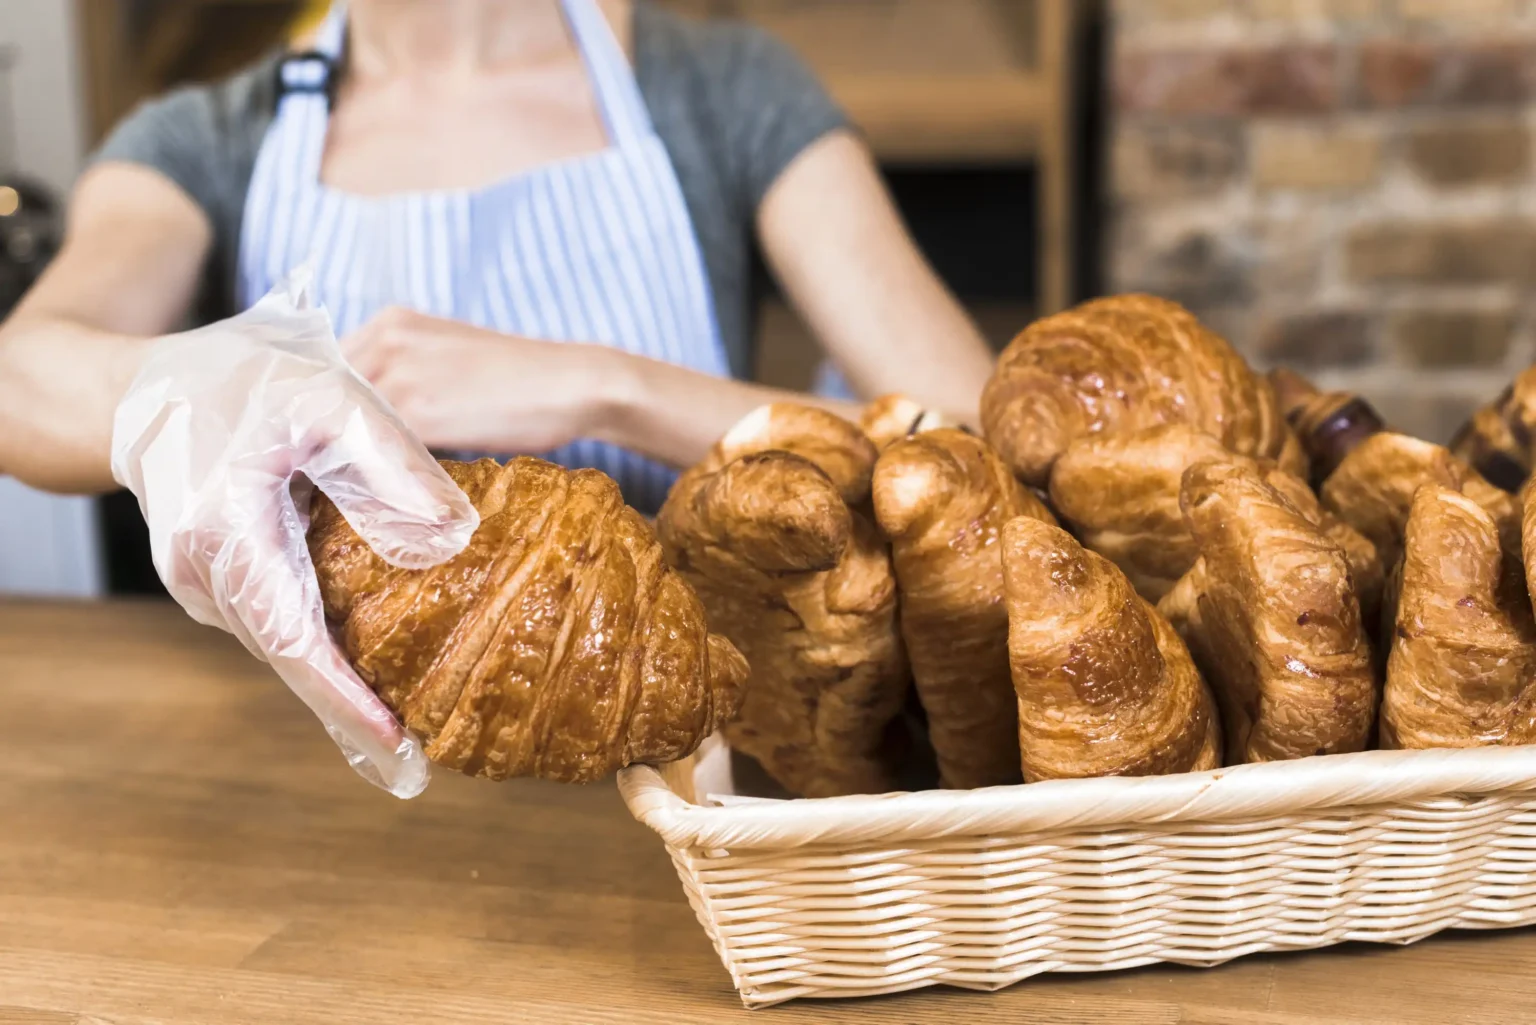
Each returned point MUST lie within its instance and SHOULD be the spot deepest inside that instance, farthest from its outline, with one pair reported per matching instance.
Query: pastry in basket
(893, 417)
(557, 644)
(768, 530)
(1271, 615)
(942, 497)
(1367, 474)
(1120, 493)
(1462, 671)
(835, 446)
(1367, 572)
(1122, 364)
(1500, 439)
(1105, 686)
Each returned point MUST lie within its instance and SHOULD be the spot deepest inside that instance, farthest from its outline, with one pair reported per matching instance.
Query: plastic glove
(210, 437)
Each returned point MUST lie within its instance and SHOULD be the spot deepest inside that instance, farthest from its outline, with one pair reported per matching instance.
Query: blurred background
(1342, 186)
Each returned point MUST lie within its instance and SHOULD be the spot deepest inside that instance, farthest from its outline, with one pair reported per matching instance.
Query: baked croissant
(1271, 615)
(557, 644)
(1121, 364)
(1368, 474)
(767, 529)
(836, 447)
(1366, 570)
(1462, 671)
(942, 498)
(1499, 441)
(893, 417)
(1120, 494)
(1105, 686)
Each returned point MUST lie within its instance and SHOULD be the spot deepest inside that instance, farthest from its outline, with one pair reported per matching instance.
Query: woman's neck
(395, 37)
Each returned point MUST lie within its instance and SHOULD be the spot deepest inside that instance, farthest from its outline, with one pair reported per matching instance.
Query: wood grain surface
(181, 844)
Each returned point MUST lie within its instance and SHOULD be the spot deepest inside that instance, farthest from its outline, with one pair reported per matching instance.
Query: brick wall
(1343, 186)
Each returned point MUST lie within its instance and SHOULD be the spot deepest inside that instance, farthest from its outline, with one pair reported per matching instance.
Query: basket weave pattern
(867, 895)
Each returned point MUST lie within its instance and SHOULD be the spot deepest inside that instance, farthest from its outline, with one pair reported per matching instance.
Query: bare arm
(836, 242)
(133, 249)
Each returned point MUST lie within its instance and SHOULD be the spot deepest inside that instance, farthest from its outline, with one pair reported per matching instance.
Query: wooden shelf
(959, 118)
(954, 80)
(949, 82)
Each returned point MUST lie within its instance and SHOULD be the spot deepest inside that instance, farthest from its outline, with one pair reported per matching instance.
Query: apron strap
(613, 80)
(306, 88)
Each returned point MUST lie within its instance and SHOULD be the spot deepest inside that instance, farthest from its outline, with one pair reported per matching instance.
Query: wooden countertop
(182, 845)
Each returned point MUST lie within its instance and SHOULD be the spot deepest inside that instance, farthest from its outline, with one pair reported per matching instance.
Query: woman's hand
(219, 437)
(464, 387)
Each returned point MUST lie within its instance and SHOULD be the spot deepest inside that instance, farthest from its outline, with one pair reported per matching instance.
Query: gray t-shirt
(733, 106)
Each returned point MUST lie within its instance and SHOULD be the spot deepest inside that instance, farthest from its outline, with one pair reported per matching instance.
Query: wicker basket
(864, 895)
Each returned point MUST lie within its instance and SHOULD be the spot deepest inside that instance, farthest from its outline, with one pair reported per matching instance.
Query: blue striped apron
(599, 248)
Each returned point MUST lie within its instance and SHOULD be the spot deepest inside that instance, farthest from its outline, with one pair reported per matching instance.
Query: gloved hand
(209, 438)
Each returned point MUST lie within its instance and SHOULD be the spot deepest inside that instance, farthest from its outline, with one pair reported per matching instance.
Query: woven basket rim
(1238, 793)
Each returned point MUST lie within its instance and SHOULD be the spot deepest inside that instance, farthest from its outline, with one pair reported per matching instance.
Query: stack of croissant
(1152, 559)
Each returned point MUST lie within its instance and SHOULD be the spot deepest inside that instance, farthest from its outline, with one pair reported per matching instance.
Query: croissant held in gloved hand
(557, 644)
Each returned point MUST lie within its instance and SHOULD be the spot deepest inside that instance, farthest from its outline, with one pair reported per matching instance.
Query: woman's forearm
(60, 383)
(133, 253)
(673, 414)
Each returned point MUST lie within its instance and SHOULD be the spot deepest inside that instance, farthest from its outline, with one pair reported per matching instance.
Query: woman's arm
(674, 414)
(835, 241)
(134, 246)
(460, 386)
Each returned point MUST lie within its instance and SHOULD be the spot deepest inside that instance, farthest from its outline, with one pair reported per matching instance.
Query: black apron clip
(309, 71)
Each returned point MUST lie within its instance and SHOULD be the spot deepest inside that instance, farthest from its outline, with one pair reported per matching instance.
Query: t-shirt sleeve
(770, 107)
(174, 134)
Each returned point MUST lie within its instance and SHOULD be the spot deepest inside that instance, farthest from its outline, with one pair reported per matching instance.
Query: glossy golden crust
(1105, 686)
(1271, 614)
(802, 584)
(556, 645)
(1366, 570)
(1462, 672)
(1118, 364)
(1120, 494)
(942, 497)
(1373, 488)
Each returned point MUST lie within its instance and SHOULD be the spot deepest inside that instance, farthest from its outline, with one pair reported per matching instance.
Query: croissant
(942, 498)
(839, 449)
(1368, 474)
(893, 417)
(1498, 440)
(1120, 494)
(1122, 364)
(1272, 617)
(767, 529)
(1366, 570)
(1105, 686)
(557, 644)
(1462, 671)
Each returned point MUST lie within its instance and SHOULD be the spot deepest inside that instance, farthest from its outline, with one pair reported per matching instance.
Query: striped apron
(599, 248)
